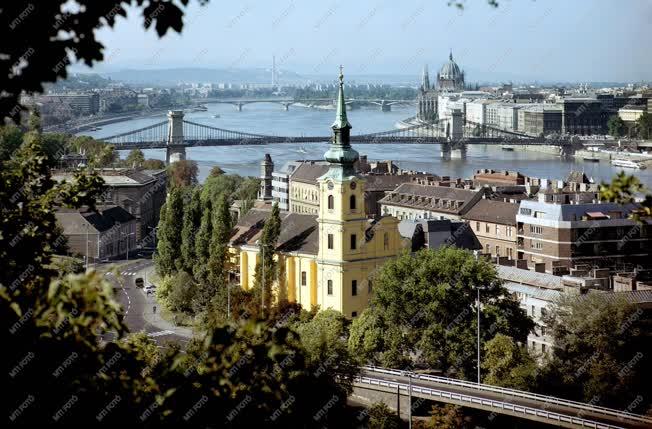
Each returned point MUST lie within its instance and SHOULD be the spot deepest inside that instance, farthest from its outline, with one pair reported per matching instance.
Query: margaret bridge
(384, 104)
(452, 134)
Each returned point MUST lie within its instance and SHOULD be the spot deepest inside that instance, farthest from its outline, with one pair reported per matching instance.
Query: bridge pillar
(287, 107)
(459, 151)
(239, 107)
(385, 107)
(446, 151)
(176, 150)
(457, 125)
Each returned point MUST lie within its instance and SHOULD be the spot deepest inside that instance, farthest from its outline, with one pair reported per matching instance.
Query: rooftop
(430, 197)
(493, 211)
(74, 221)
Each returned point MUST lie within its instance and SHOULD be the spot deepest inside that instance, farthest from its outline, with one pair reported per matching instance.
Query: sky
(521, 40)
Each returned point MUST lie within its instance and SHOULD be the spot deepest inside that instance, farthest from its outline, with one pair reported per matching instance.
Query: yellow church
(327, 259)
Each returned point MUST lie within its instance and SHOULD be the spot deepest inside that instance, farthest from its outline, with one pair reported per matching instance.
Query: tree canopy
(423, 312)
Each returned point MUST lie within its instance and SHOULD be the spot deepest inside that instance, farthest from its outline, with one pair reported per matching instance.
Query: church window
(354, 241)
(354, 287)
(369, 286)
(330, 241)
(352, 202)
(354, 314)
(386, 241)
(331, 202)
(304, 278)
(329, 284)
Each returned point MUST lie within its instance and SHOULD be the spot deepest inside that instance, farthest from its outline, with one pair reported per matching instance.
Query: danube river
(266, 118)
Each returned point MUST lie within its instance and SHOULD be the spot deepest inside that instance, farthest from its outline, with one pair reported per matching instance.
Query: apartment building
(562, 229)
(494, 225)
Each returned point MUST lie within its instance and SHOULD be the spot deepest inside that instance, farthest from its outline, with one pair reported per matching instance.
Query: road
(504, 401)
(139, 308)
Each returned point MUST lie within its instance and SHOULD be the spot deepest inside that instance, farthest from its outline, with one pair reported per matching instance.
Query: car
(139, 282)
(150, 289)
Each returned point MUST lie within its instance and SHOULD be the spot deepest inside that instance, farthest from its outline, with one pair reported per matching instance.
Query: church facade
(327, 259)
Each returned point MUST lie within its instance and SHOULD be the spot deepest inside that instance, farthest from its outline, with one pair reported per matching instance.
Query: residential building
(98, 234)
(563, 228)
(503, 115)
(142, 193)
(325, 258)
(476, 111)
(281, 184)
(494, 225)
(487, 176)
(429, 201)
(81, 103)
(540, 119)
(433, 234)
(631, 113)
(583, 116)
(303, 187)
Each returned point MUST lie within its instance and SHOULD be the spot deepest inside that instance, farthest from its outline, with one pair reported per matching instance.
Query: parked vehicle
(150, 289)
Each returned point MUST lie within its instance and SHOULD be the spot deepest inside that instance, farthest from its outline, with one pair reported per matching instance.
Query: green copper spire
(340, 154)
(341, 120)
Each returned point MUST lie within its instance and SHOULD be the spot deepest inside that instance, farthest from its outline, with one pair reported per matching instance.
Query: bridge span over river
(454, 134)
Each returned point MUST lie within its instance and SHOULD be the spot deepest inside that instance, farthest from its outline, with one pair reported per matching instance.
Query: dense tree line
(71, 361)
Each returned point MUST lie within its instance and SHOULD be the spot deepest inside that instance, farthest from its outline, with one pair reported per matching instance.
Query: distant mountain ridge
(193, 74)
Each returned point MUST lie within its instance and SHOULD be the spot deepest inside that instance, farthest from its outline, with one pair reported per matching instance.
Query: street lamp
(127, 235)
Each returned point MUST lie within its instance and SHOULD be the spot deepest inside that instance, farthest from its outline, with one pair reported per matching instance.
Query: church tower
(343, 258)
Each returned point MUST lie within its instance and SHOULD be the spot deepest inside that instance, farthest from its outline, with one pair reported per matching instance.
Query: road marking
(159, 333)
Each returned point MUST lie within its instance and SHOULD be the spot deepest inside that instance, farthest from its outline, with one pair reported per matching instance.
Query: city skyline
(526, 41)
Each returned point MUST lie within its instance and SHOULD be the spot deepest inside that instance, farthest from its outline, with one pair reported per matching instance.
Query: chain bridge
(176, 134)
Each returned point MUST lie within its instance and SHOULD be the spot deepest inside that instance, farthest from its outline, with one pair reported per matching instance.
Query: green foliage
(447, 416)
(153, 164)
(183, 173)
(218, 254)
(38, 53)
(191, 222)
(508, 364)
(135, 159)
(600, 351)
(423, 312)
(181, 293)
(202, 242)
(266, 271)
(625, 189)
(616, 126)
(216, 171)
(168, 252)
(381, 417)
(10, 140)
(644, 125)
(99, 154)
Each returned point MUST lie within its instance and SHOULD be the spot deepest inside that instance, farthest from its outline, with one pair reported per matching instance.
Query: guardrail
(528, 412)
(515, 393)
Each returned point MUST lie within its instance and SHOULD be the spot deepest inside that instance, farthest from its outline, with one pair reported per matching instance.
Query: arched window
(331, 202)
(352, 202)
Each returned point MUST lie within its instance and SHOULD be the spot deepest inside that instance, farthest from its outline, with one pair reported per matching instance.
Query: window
(354, 288)
(354, 241)
(304, 278)
(508, 231)
(354, 314)
(369, 286)
(536, 229)
(386, 241)
(331, 202)
(543, 348)
(330, 241)
(486, 247)
(497, 250)
(477, 226)
(486, 228)
(543, 312)
(537, 245)
(532, 311)
(497, 229)
(329, 287)
(352, 202)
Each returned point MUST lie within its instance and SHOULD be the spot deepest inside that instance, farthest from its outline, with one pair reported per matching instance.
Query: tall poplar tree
(191, 222)
(202, 241)
(266, 266)
(168, 251)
